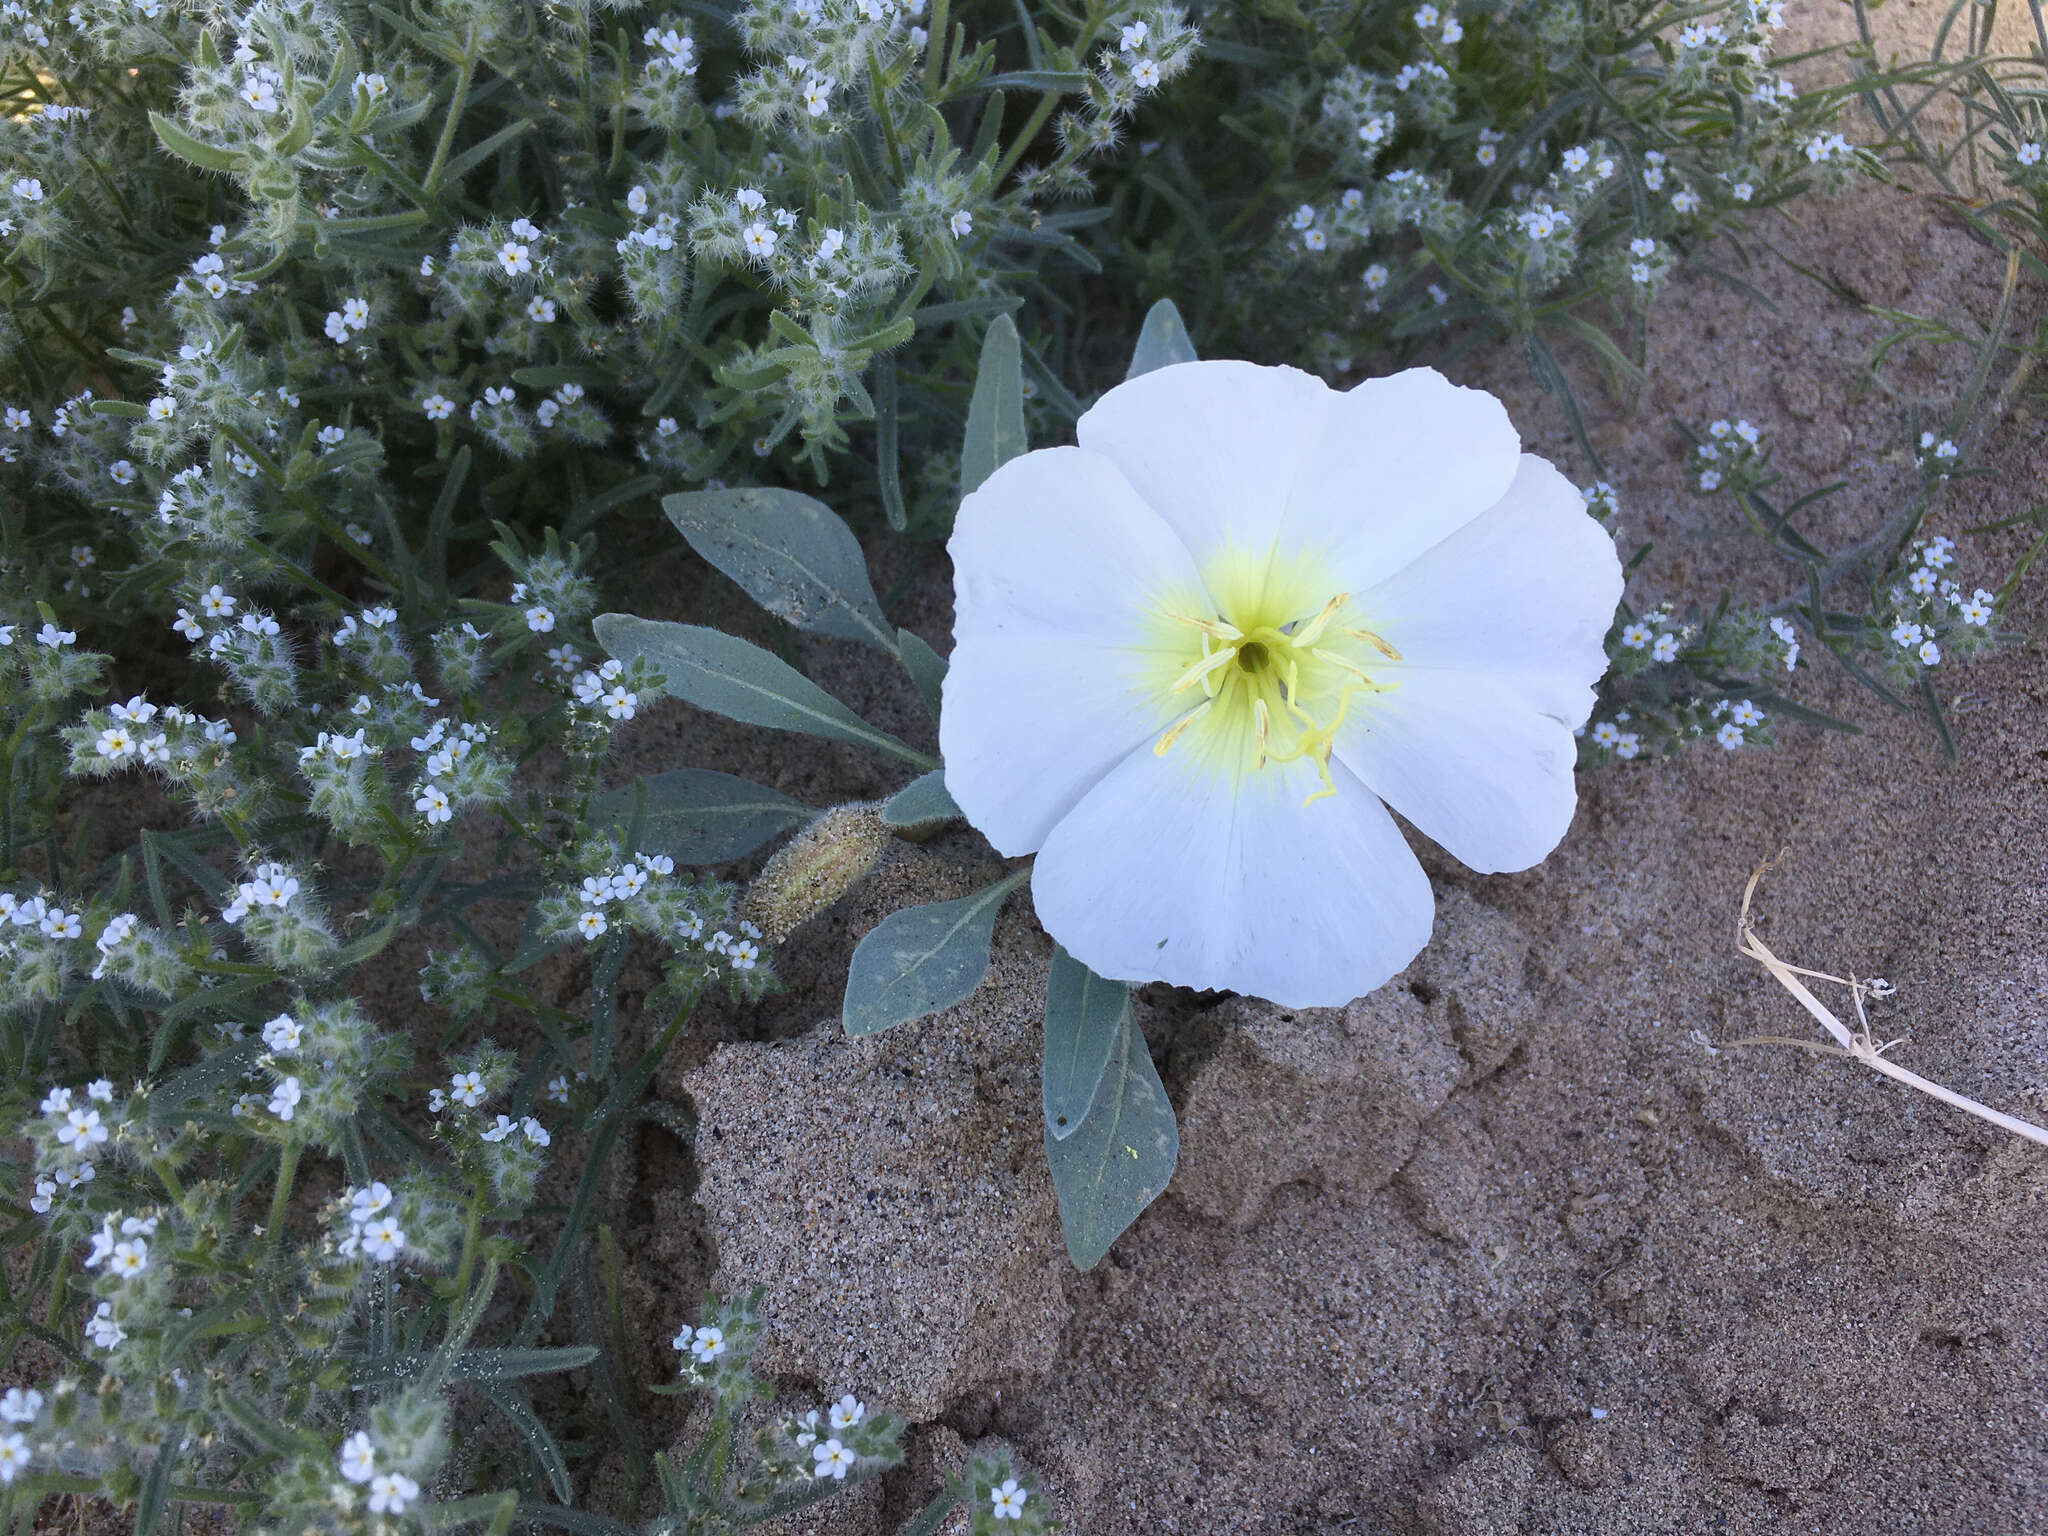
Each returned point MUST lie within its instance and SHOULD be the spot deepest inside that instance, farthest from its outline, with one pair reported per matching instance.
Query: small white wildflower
(1665, 649)
(831, 1460)
(848, 1412)
(1729, 736)
(383, 1239)
(1007, 1501)
(283, 1034)
(391, 1492)
(467, 1089)
(358, 1458)
(961, 224)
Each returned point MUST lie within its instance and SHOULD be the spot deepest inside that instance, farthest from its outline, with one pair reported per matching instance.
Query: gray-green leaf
(922, 805)
(1162, 342)
(922, 959)
(730, 677)
(995, 415)
(793, 555)
(927, 668)
(1084, 1017)
(696, 816)
(1120, 1158)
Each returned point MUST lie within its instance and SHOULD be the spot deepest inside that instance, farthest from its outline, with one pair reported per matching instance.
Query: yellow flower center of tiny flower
(1262, 665)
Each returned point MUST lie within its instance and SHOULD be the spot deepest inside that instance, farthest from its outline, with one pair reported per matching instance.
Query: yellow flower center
(1262, 668)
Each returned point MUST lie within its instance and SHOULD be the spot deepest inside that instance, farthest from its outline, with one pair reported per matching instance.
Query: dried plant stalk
(1858, 1043)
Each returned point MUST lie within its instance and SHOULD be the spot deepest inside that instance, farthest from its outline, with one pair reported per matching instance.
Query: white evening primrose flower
(1301, 606)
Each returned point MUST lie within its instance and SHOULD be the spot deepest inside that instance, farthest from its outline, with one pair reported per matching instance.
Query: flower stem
(280, 1200)
(472, 1233)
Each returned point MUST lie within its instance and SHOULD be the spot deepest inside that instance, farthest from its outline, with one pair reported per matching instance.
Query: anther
(1165, 743)
(1374, 641)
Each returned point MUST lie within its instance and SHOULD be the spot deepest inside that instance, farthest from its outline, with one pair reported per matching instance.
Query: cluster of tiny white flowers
(270, 884)
(1655, 634)
(373, 1225)
(18, 1405)
(602, 691)
(1937, 456)
(1730, 445)
(1736, 720)
(348, 321)
(122, 1245)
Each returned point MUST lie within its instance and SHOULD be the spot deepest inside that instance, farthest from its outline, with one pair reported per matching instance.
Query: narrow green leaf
(1084, 1018)
(696, 816)
(927, 668)
(888, 474)
(730, 677)
(546, 1449)
(1162, 342)
(922, 959)
(149, 1504)
(185, 147)
(484, 1365)
(922, 805)
(580, 1522)
(1064, 82)
(474, 156)
(1119, 1160)
(793, 554)
(995, 415)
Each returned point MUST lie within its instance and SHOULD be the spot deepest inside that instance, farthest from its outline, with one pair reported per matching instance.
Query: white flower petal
(1168, 870)
(1212, 447)
(1400, 464)
(1501, 630)
(1056, 558)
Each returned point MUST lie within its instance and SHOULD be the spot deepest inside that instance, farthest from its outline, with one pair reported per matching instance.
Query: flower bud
(815, 868)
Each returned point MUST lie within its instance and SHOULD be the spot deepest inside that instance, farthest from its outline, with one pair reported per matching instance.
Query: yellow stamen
(1165, 743)
(1202, 669)
(1374, 641)
(1312, 631)
(1348, 665)
(1259, 729)
(1216, 627)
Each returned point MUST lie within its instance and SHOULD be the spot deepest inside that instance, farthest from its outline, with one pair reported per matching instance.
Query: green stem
(280, 1200)
(935, 47)
(464, 75)
(1046, 103)
(472, 1233)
